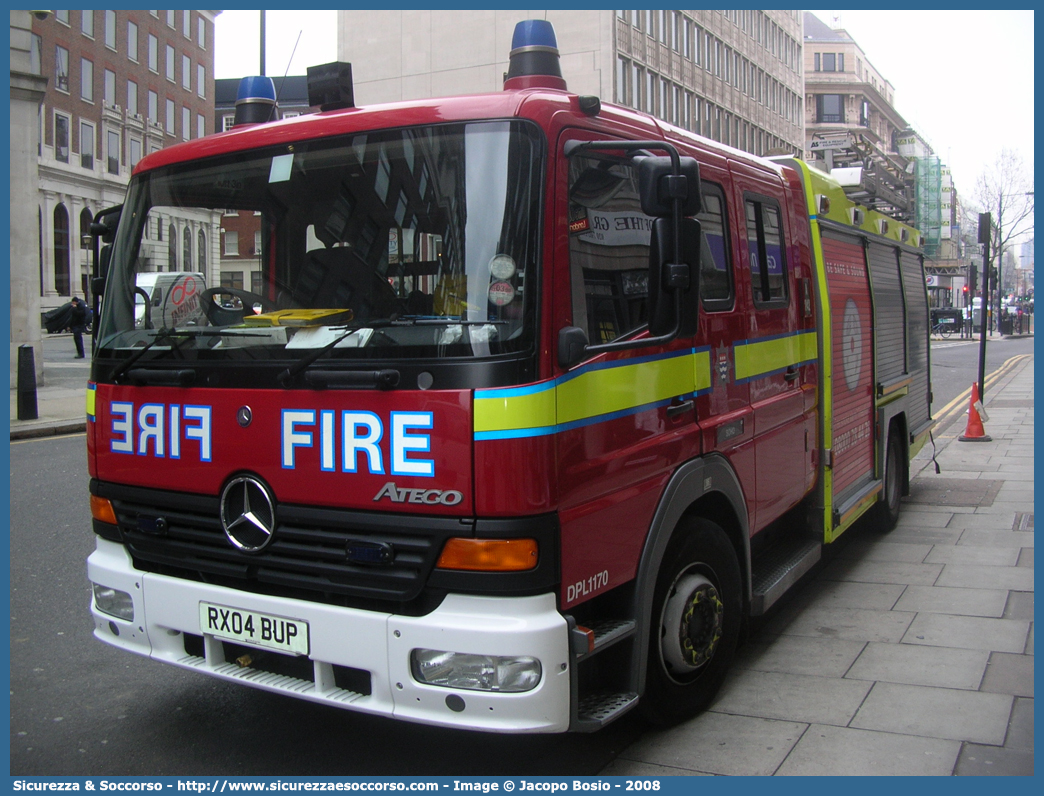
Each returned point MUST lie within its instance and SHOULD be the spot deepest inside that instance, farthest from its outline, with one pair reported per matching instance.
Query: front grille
(181, 535)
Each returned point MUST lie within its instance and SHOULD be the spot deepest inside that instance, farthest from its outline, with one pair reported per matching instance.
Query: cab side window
(716, 291)
(765, 246)
(608, 248)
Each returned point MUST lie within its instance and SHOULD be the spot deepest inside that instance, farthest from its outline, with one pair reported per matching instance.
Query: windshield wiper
(287, 377)
(123, 367)
(170, 334)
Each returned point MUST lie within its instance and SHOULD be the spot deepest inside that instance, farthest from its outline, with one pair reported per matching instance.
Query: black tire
(698, 594)
(886, 510)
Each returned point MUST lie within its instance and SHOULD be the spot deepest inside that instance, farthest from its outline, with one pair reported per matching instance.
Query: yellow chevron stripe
(760, 357)
(596, 392)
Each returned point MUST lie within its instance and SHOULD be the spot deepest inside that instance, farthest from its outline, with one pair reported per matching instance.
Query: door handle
(678, 409)
(791, 374)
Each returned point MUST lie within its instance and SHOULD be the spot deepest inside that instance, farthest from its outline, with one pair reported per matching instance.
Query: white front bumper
(166, 607)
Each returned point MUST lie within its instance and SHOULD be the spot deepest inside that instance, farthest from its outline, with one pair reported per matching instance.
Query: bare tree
(1005, 190)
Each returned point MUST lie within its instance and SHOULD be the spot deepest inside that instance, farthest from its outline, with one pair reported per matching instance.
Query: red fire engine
(532, 403)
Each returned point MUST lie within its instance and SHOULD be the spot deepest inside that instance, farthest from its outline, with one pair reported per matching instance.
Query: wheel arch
(706, 487)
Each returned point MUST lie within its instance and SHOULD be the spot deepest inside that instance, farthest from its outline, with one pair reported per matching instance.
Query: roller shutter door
(889, 312)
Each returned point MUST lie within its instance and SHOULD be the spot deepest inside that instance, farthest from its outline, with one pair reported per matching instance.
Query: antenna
(290, 61)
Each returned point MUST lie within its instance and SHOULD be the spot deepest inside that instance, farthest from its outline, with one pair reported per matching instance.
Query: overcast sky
(963, 79)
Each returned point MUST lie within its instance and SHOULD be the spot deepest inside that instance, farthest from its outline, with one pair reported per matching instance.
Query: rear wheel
(696, 622)
(887, 509)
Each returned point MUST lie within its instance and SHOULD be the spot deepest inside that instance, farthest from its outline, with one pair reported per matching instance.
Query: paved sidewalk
(909, 653)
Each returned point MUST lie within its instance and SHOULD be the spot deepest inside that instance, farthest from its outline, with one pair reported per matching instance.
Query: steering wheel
(222, 316)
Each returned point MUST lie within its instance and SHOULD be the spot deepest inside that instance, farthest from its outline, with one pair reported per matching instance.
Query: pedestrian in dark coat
(77, 322)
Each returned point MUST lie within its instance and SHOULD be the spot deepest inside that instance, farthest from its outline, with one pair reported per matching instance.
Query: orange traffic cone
(975, 432)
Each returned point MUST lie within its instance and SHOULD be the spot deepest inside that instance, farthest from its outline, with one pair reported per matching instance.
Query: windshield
(413, 243)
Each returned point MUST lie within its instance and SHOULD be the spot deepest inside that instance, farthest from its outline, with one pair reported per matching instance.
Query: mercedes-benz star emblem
(248, 514)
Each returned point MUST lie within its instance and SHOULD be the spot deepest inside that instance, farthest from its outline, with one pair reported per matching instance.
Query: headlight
(114, 602)
(503, 673)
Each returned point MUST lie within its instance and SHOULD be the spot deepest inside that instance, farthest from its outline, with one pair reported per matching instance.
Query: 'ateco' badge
(248, 514)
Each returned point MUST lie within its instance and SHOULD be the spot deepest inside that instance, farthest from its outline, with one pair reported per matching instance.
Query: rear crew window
(768, 268)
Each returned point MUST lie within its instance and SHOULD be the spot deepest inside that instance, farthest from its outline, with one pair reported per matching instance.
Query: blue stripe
(543, 431)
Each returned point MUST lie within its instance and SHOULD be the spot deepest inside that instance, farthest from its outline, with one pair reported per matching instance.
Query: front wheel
(696, 618)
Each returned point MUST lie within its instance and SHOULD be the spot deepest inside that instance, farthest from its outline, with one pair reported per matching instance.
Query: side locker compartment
(919, 420)
(850, 430)
(889, 304)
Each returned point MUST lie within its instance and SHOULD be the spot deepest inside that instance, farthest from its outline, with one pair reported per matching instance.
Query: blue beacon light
(533, 61)
(255, 101)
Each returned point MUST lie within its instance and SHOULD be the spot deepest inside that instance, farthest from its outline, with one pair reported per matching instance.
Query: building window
(231, 243)
(62, 16)
(232, 279)
(170, 19)
(186, 123)
(186, 249)
(830, 108)
(186, 23)
(36, 55)
(186, 73)
(153, 107)
(829, 62)
(132, 42)
(135, 152)
(86, 145)
(110, 87)
(110, 29)
(86, 80)
(636, 86)
(201, 33)
(864, 113)
(61, 69)
(172, 248)
(87, 23)
(201, 125)
(61, 250)
(113, 160)
(621, 80)
(227, 122)
(132, 98)
(170, 117)
(256, 252)
(153, 53)
(201, 80)
(202, 252)
(170, 65)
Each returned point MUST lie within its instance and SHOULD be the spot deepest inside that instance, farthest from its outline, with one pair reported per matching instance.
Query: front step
(599, 635)
(597, 710)
(780, 568)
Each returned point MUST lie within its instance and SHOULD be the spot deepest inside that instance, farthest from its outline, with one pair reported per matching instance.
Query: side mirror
(659, 186)
(673, 286)
(572, 346)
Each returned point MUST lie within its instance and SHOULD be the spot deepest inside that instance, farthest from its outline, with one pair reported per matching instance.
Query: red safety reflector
(489, 555)
(102, 510)
(590, 637)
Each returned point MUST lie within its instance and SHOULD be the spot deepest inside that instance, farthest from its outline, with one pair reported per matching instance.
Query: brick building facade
(120, 84)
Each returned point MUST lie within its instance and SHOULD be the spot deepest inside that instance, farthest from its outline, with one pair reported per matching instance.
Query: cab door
(776, 358)
(625, 419)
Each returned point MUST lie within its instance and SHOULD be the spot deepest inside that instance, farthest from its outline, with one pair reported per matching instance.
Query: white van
(173, 299)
